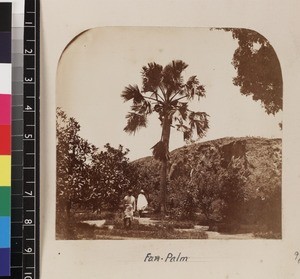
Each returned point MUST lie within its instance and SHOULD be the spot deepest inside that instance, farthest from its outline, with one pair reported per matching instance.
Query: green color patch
(5, 201)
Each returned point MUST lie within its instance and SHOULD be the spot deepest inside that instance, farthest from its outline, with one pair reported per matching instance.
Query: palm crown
(165, 92)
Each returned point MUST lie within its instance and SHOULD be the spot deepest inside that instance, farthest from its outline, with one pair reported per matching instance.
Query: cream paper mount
(230, 258)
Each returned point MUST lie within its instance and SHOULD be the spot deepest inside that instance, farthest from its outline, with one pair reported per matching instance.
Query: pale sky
(94, 70)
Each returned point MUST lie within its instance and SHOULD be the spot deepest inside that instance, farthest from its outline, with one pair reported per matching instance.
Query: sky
(95, 68)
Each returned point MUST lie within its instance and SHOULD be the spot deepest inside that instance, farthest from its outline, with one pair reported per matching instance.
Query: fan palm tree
(164, 92)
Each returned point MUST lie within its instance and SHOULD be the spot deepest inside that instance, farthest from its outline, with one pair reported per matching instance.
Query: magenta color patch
(5, 109)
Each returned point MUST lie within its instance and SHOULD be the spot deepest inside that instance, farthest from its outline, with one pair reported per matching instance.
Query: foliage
(258, 69)
(73, 154)
(183, 204)
(112, 176)
(86, 177)
(265, 197)
(148, 179)
(233, 191)
(231, 181)
(210, 187)
(188, 207)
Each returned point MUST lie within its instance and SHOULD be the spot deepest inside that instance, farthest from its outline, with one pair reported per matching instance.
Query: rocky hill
(261, 156)
(250, 167)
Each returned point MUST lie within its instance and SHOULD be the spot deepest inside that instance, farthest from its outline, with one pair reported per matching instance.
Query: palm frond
(144, 107)
(135, 121)
(187, 134)
(183, 110)
(187, 131)
(199, 121)
(132, 92)
(179, 66)
(152, 76)
(158, 108)
(194, 88)
(171, 112)
(160, 151)
(172, 76)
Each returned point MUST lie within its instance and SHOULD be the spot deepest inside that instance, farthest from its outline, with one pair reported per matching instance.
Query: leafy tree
(111, 176)
(85, 176)
(258, 69)
(164, 92)
(203, 181)
(183, 199)
(73, 155)
(148, 179)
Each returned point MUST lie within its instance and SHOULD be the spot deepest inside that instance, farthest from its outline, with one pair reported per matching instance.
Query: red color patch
(5, 140)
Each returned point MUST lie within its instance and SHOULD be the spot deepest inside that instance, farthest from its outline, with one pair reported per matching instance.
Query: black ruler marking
(31, 142)
(25, 150)
(16, 170)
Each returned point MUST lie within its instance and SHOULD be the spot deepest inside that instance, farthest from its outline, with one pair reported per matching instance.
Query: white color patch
(5, 78)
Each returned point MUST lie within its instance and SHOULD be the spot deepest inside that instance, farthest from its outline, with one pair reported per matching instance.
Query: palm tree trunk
(164, 165)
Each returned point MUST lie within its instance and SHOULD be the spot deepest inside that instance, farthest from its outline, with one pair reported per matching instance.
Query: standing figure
(129, 208)
(142, 203)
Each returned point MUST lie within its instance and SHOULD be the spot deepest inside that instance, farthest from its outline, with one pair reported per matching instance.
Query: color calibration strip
(5, 136)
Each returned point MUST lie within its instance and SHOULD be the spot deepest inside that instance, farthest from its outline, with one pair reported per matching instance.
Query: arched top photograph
(169, 133)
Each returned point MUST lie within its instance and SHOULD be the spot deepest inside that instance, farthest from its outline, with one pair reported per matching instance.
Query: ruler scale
(30, 143)
(24, 144)
(17, 144)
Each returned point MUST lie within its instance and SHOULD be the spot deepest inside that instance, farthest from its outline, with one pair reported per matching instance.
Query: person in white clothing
(129, 208)
(142, 203)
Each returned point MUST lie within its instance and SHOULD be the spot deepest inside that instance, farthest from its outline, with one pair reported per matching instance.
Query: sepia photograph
(169, 133)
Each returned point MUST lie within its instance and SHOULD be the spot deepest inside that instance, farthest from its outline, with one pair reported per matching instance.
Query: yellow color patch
(5, 170)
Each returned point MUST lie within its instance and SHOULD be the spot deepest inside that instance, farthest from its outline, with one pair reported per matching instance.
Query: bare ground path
(211, 234)
(97, 223)
(149, 221)
(217, 235)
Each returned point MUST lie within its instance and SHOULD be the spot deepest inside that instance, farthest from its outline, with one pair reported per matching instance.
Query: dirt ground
(148, 221)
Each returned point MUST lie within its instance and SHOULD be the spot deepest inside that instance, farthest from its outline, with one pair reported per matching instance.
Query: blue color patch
(4, 232)
(4, 262)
